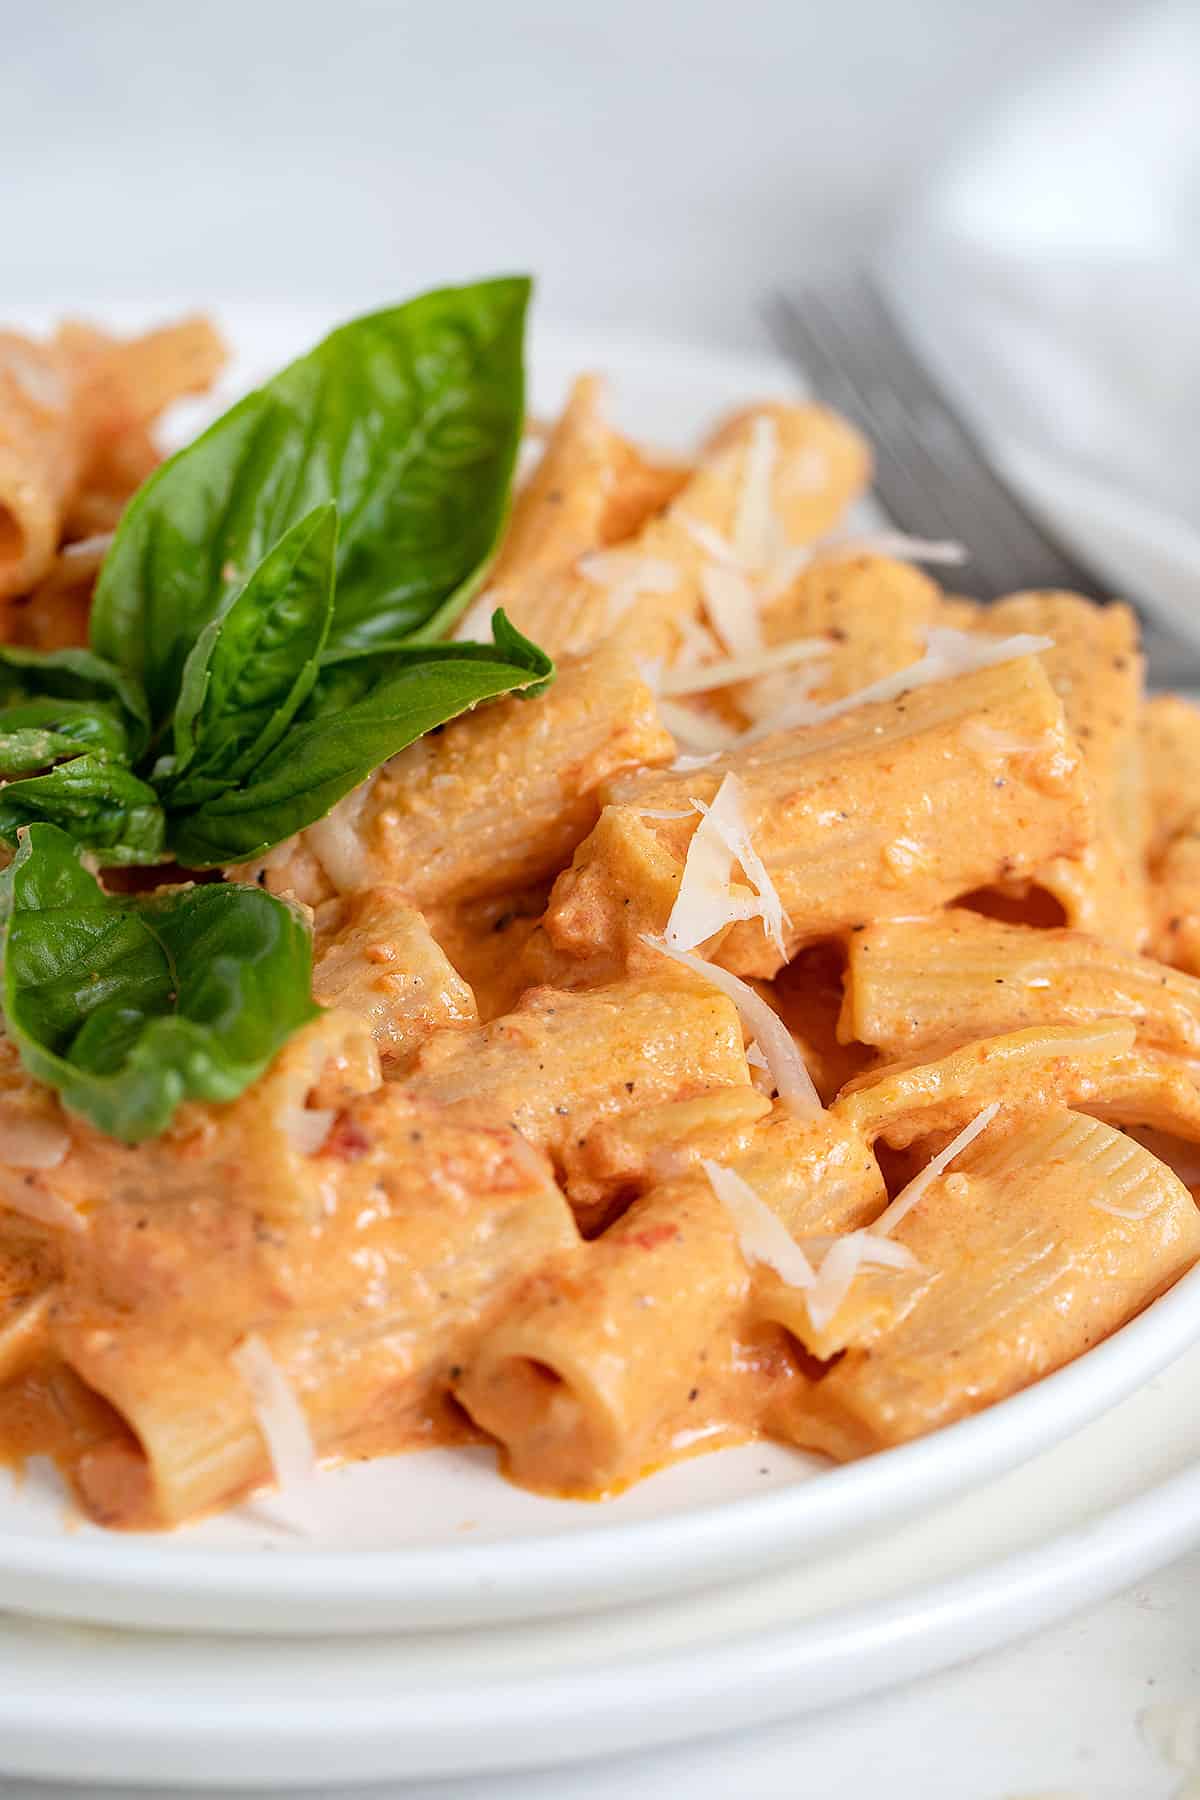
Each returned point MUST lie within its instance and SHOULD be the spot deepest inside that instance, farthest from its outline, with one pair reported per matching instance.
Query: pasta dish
(513, 937)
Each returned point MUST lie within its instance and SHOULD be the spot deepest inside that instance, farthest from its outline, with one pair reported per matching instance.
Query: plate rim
(745, 1678)
(668, 1553)
(571, 1569)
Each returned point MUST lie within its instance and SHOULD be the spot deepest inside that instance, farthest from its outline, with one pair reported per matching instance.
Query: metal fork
(932, 474)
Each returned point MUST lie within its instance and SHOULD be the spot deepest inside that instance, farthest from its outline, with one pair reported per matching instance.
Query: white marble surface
(661, 164)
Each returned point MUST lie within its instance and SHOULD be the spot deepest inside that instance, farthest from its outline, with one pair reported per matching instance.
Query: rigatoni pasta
(765, 1022)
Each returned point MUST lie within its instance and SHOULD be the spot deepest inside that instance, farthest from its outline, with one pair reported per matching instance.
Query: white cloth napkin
(1051, 273)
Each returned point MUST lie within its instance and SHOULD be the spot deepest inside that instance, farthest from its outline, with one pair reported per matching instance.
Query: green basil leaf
(26, 749)
(409, 419)
(347, 731)
(36, 733)
(101, 805)
(74, 675)
(253, 668)
(129, 1006)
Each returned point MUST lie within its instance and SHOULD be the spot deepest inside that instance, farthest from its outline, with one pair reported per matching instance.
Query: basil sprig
(264, 635)
(129, 1006)
(263, 632)
(408, 420)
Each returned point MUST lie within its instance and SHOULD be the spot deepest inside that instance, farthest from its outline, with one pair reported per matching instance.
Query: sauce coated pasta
(783, 1021)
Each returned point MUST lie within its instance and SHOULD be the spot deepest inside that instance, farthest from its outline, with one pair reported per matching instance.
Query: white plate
(438, 1540)
(1076, 1524)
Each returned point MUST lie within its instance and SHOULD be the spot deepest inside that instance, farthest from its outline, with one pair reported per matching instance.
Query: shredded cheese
(761, 1234)
(730, 605)
(626, 577)
(899, 544)
(908, 1197)
(948, 653)
(727, 820)
(694, 730)
(752, 534)
(842, 1261)
(706, 903)
(708, 539)
(793, 1083)
(696, 642)
(279, 1413)
(702, 677)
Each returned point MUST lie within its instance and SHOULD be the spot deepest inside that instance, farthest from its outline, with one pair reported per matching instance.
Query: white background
(657, 162)
(659, 165)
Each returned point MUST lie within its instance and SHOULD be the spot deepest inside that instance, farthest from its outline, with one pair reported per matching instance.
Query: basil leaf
(362, 711)
(253, 668)
(74, 675)
(409, 419)
(26, 749)
(101, 805)
(129, 1006)
(36, 733)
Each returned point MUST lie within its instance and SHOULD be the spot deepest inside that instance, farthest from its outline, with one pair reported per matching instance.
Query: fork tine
(928, 437)
(931, 474)
(1033, 551)
(903, 481)
(900, 474)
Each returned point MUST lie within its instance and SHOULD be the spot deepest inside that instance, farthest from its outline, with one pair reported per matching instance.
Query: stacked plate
(437, 1621)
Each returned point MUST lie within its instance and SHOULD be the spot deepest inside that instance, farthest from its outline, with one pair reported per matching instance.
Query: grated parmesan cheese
(949, 652)
(708, 539)
(729, 821)
(279, 1413)
(842, 1261)
(793, 1083)
(753, 518)
(696, 642)
(899, 544)
(761, 1234)
(625, 577)
(730, 605)
(908, 1197)
(695, 730)
(702, 677)
(705, 901)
